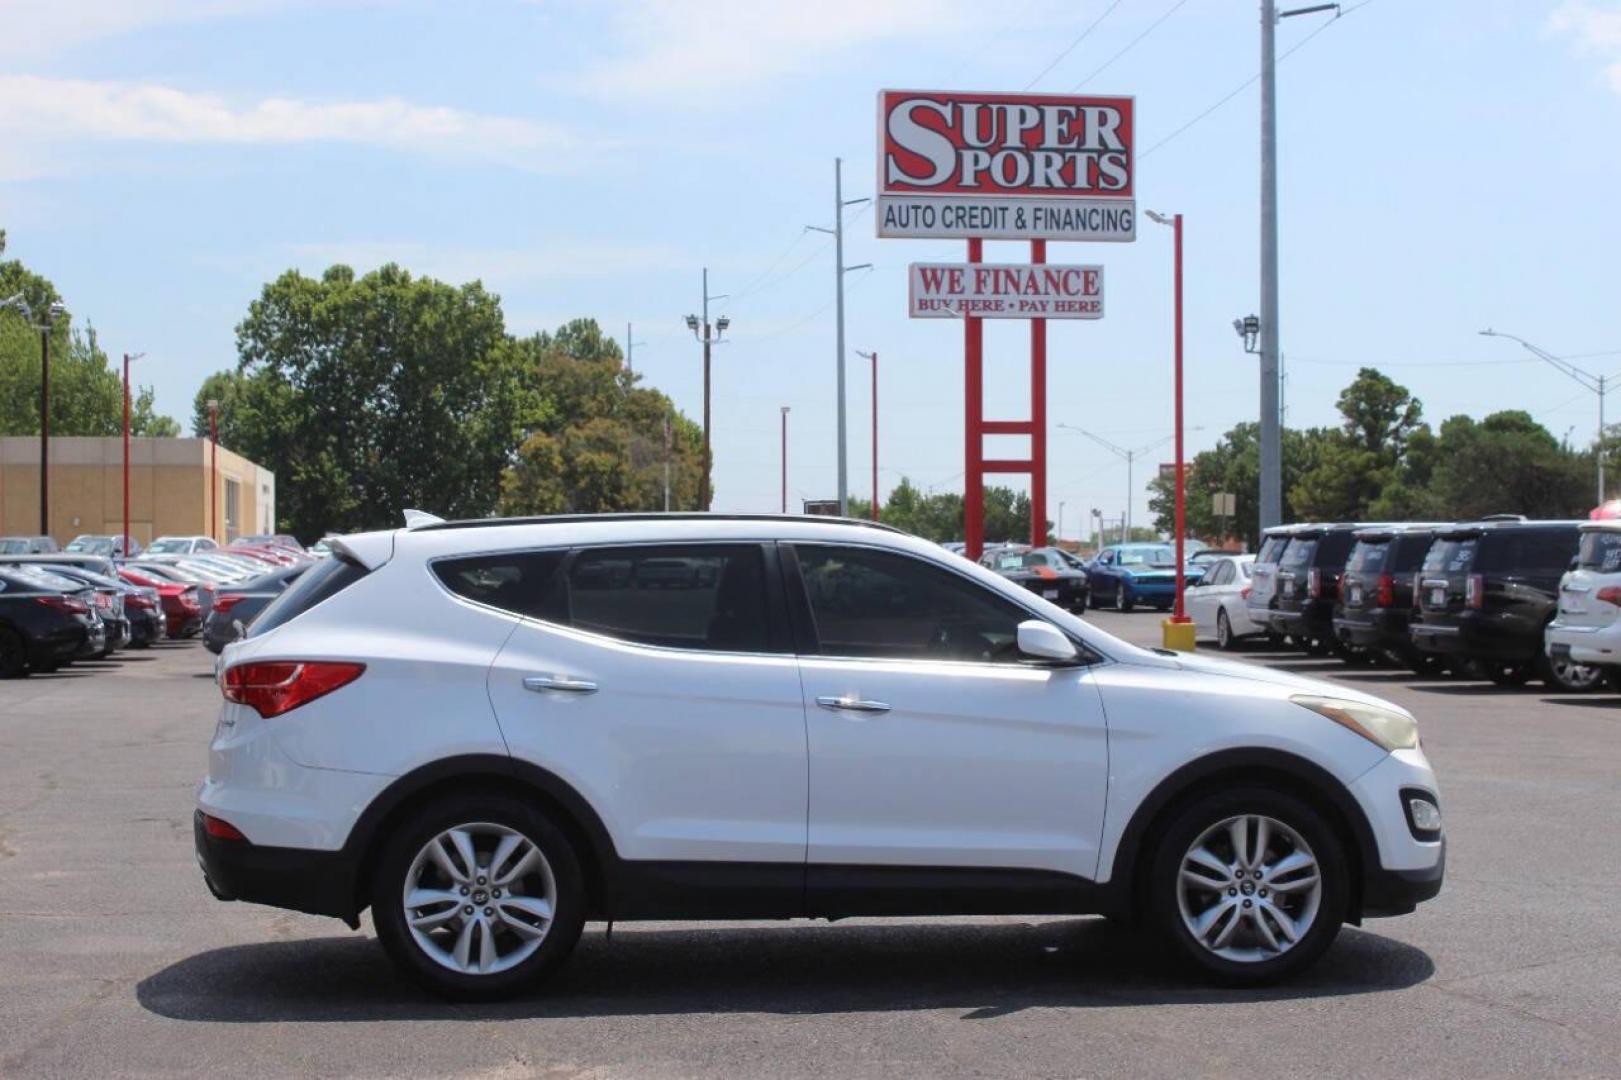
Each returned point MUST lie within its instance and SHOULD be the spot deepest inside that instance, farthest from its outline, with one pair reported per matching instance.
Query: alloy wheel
(1249, 888)
(1224, 631)
(479, 898)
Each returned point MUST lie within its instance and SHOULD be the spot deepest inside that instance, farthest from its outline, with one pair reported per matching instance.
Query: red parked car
(183, 615)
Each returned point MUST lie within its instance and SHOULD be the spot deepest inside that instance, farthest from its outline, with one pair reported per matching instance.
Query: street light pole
(1595, 383)
(128, 360)
(784, 459)
(214, 469)
(1180, 613)
(52, 312)
(873, 356)
(839, 270)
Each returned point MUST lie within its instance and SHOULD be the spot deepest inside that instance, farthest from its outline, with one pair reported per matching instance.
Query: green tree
(370, 394)
(1357, 463)
(1234, 465)
(1508, 463)
(87, 394)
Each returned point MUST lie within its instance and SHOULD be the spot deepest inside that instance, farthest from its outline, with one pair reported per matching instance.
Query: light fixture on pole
(128, 360)
(839, 270)
(1178, 634)
(1248, 328)
(1595, 383)
(709, 336)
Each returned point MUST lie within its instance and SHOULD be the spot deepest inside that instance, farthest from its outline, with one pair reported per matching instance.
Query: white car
(1587, 627)
(490, 732)
(1218, 603)
(181, 545)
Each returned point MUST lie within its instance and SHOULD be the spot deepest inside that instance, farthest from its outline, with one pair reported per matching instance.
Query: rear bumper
(1599, 645)
(1374, 628)
(1474, 638)
(299, 879)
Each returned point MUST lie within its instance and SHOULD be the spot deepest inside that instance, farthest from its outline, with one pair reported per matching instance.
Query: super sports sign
(1005, 166)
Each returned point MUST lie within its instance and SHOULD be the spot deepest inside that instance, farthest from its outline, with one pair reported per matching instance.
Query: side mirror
(1045, 641)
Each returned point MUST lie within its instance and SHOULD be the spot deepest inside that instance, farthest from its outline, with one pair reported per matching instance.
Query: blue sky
(1445, 166)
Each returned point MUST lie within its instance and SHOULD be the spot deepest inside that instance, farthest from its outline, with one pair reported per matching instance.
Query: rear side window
(1299, 552)
(321, 583)
(1271, 547)
(1450, 556)
(522, 582)
(1601, 551)
(1410, 552)
(708, 596)
(1368, 556)
(1527, 551)
(1333, 548)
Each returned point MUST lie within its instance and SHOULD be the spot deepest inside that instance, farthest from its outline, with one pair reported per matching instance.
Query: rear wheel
(1569, 676)
(1420, 663)
(1250, 884)
(1224, 631)
(478, 897)
(13, 654)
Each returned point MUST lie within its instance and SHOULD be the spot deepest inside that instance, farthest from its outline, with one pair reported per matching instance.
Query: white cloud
(1597, 30)
(37, 27)
(50, 111)
(703, 51)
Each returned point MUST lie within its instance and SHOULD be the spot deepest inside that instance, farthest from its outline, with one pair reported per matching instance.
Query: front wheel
(1250, 885)
(1122, 602)
(478, 897)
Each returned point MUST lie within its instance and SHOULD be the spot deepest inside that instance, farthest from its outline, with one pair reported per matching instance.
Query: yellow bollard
(1177, 635)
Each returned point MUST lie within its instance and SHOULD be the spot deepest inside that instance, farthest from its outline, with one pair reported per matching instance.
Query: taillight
(1474, 591)
(70, 605)
(1387, 590)
(1610, 594)
(1314, 583)
(277, 686)
(188, 598)
(1244, 593)
(139, 603)
(225, 602)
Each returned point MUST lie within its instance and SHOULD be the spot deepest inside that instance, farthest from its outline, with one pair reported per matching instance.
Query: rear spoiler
(370, 550)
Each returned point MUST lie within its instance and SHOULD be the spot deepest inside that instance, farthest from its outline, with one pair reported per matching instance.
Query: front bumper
(1405, 869)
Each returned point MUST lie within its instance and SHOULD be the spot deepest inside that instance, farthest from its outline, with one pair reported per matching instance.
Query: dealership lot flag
(1005, 291)
(1005, 166)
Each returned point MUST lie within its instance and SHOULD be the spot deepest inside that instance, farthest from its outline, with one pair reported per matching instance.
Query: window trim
(807, 644)
(777, 624)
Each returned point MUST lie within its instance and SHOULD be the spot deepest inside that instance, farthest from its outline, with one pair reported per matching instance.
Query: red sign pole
(973, 494)
(1038, 415)
(1180, 615)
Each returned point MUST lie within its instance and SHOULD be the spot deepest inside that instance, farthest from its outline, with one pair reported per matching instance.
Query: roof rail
(693, 515)
(1502, 517)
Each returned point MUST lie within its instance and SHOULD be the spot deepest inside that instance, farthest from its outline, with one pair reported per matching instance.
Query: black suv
(1308, 582)
(1376, 593)
(1486, 592)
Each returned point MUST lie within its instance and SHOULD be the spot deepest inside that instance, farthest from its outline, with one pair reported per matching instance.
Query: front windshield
(1148, 556)
(90, 545)
(13, 546)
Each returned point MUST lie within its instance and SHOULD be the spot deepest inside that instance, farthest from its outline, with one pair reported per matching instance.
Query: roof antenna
(416, 519)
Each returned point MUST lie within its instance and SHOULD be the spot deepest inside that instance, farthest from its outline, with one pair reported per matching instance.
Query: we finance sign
(1005, 291)
(1005, 166)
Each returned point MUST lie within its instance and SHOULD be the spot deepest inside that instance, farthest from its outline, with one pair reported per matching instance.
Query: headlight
(1385, 727)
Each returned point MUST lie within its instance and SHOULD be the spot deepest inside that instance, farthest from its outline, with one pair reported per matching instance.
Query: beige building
(168, 489)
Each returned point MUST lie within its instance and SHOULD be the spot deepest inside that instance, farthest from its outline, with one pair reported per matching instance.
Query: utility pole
(784, 459)
(1129, 457)
(839, 270)
(630, 350)
(52, 312)
(666, 464)
(1271, 434)
(873, 356)
(708, 335)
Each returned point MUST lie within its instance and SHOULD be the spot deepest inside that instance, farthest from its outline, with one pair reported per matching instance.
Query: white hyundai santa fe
(489, 732)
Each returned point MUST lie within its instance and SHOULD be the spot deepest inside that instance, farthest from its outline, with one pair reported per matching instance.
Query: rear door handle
(542, 683)
(851, 704)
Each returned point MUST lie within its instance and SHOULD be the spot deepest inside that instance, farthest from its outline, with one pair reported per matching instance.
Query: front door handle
(542, 683)
(851, 704)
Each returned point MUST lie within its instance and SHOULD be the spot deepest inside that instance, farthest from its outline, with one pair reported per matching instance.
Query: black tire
(13, 654)
(1612, 679)
(1567, 677)
(1224, 632)
(394, 864)
(1508, 675)
(1421, 663)
(1210, 810)
(1314, 646)
(1122, 602)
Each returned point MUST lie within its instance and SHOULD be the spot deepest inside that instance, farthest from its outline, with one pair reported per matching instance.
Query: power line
(1074, 44)
(1132, 43)
(1253, 79)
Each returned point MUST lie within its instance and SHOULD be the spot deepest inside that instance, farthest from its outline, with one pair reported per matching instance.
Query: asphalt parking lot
(114, 960)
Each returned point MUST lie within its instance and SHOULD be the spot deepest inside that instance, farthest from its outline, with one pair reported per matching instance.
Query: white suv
(1587, 627)
(489, 732)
